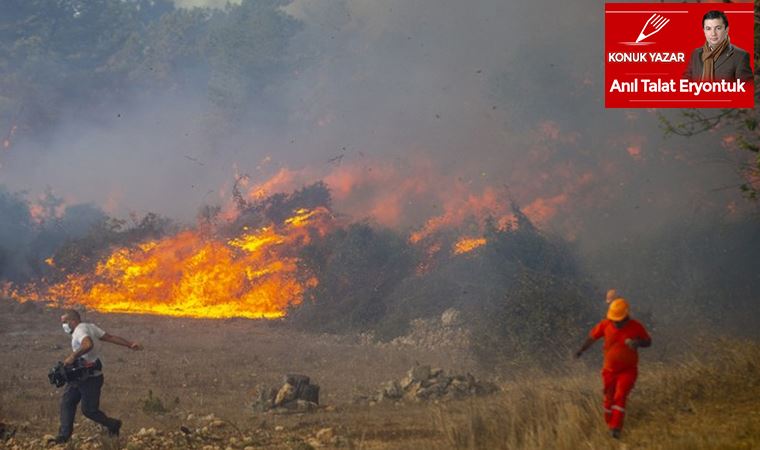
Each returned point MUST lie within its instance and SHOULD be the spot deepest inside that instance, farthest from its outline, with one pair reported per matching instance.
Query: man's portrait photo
(718, 59)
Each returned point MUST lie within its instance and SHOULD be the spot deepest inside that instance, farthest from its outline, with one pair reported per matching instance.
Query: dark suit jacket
(732, 64)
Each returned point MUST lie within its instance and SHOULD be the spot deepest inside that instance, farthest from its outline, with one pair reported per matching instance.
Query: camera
(80, 370)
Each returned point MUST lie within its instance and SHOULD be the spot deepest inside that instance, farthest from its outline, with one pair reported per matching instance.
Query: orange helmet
(618, 310)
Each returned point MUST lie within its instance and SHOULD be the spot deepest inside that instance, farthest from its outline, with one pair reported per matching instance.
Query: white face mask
(67, 328)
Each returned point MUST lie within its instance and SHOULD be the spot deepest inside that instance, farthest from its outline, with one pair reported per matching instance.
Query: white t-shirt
(80, 332)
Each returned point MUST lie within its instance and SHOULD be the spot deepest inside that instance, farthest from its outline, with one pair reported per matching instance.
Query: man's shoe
(115, 430)
(58, 440)
(615, 433)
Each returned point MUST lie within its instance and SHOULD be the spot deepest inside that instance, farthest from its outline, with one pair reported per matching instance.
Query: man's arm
(121, 341)
(86, 347)
(638, 343)
(743, 69)
(691, 66)
(642, 339)
(589, 342)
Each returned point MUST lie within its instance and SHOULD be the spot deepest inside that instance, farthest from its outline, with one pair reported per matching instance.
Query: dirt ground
(194, 384)
(200, 367)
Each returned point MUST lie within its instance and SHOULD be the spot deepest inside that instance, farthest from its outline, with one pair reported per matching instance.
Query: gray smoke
(496, 94)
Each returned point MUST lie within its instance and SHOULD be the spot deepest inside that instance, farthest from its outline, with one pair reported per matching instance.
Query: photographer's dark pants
(88, 392)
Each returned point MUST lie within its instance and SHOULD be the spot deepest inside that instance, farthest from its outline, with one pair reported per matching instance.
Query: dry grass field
(201, 376)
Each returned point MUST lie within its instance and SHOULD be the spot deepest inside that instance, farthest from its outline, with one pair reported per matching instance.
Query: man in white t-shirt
(84, 344)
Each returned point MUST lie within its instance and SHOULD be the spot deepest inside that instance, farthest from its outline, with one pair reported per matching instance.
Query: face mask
(67, 328)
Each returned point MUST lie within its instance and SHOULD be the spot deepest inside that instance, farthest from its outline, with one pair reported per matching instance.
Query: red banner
(679, 55)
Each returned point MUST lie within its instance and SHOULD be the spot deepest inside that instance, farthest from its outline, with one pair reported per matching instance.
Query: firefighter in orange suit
(622, 337)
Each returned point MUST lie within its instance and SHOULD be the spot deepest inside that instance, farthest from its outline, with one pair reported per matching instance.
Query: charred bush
(543, 303)
(520, 294)
(357, 268)
(16, 231)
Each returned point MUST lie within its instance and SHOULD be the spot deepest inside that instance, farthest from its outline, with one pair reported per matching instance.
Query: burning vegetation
(291, 255)
(269, 254)
(248, 269)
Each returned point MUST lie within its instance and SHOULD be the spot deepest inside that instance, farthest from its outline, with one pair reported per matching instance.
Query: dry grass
(692, 404)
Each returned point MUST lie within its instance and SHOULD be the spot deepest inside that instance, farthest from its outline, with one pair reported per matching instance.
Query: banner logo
(655, 23)
(685, 55)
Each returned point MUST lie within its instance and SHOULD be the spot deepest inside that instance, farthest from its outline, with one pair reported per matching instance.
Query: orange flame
(254, 275)
(468, 244)
(460, 208)
(281, 181)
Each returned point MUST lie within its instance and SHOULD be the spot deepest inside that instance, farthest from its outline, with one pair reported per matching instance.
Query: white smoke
(205, 3)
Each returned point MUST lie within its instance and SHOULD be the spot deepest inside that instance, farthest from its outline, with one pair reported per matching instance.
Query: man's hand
(633, 344)
(135, 346)
(586, 345)
(69, 360)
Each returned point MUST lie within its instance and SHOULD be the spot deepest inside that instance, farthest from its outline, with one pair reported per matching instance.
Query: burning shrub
(278, 208)
(247, 269)
(81, 255)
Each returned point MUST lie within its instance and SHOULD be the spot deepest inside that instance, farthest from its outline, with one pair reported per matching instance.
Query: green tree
(55, 55)
(246, 50)
(60, 58)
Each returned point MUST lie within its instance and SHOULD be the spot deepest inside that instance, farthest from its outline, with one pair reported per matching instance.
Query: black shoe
(115, 430)
(58, 440)
(615, 433)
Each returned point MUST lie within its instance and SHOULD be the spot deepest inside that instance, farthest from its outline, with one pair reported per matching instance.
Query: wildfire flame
(256, 273)
(253, 275)
(468, 244)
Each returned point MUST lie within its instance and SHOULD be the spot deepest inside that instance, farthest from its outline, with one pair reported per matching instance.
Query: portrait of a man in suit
(718, 59)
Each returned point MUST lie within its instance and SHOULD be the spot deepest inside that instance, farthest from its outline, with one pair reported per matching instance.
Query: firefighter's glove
(633, 344)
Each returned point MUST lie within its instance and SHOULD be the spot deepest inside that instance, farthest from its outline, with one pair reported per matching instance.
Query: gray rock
(286, 394)
(451, 317)
(392, 390)
(263, 398)
(433, 391)
(406, 382)
(411, 391)
(419, 373)
(299, 406)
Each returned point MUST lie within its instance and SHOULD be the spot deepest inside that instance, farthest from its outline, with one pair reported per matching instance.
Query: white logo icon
(655, 23)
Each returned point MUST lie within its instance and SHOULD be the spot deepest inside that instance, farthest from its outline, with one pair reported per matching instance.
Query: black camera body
(61, 374)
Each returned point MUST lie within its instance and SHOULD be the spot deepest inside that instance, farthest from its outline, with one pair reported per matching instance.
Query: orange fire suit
(620, 366)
